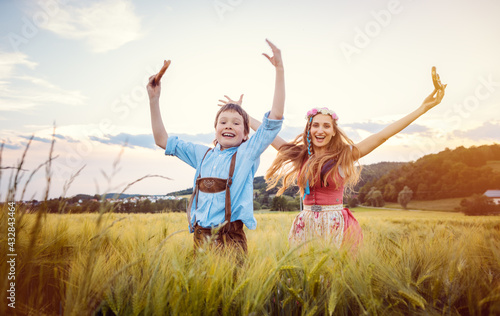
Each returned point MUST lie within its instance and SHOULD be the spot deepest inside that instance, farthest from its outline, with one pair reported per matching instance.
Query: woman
(321, 161)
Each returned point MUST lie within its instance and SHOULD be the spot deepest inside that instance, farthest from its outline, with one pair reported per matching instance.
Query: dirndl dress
(326, 223)
(324, 217)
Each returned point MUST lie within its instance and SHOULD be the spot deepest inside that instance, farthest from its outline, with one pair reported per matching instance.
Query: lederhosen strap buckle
(213, 185)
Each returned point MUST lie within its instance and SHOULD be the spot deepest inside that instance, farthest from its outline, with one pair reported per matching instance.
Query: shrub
(374, 198)
(352, 202)
(404, 197)
(279, 204)
(256, 206)
(479, 204)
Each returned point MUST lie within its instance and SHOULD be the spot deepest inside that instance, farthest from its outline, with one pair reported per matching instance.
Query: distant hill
(182, 192)
(375, 171)
(98, 197)
(121, 196)
(448, 174)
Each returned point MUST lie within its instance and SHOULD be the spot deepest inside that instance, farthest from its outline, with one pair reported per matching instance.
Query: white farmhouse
(493, 195)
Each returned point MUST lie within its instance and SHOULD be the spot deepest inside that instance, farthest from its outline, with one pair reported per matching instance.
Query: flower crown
(325, 111)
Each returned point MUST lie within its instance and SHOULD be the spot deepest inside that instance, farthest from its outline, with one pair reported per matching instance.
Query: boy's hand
(224, 102)
(276, 59)
(154, 84)
(154, 90)
(160, 74)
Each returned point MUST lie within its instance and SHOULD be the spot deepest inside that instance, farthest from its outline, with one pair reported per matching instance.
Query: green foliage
(389, 192)
(284, 203)
(448, 174)
(479, 204)
(294, 205)
(259, 183)
(279, 204)
(264, 200)
(256, 206)
(352, 202)
(373, 172)
(404, 197)
(61, 205)
(374, 198)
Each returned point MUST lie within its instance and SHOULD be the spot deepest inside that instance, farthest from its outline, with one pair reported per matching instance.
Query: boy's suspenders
(213, 185)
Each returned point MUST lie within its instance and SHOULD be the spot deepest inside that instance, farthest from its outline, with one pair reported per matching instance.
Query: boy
(223, 187)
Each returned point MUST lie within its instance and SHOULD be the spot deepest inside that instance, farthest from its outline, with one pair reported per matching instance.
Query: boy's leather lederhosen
(232, 232)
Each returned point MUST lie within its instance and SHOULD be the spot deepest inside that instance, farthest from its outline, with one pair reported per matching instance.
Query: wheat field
(410, 263)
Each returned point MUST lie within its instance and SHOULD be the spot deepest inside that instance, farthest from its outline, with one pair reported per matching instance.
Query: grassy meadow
(410, 263)
(441, 205)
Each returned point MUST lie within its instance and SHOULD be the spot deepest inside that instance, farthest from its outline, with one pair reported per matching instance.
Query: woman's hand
(433, 99)
(229, 100)
(276, 59)
(437, 95)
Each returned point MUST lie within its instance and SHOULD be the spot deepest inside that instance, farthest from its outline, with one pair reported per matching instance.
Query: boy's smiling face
(230, 130)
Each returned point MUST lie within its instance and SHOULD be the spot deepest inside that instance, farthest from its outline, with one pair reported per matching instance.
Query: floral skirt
(337, 226)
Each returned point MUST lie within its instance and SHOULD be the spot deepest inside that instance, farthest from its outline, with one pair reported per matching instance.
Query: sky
(81, 67)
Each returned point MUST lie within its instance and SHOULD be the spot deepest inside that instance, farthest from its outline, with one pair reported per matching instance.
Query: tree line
(460, 172)
(70, 206)
(449, 174)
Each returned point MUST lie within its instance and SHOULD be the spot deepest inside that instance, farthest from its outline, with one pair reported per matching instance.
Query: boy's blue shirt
(210, 210)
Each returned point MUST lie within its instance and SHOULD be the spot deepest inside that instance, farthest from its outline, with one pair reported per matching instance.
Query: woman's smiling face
(322, 131)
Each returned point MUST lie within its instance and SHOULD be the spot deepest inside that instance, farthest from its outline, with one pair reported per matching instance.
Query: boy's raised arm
(279, 86)
(159, 132)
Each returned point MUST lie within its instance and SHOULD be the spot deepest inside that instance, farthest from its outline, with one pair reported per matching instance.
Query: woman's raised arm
(370, 143)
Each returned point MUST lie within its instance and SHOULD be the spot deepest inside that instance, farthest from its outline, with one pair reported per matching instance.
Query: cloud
(355, 131)
(142, 140)
(10, 140)
(19, 92)
(14, 140)
(147, 140)
(69, 134)
(34, 94)
(374, 127)
(103, 25)
(36, 138)
(206, 138)
(66, 138)
(9, 61)
(487, 131)
(12, 146)
(371, 127)
(289, 133)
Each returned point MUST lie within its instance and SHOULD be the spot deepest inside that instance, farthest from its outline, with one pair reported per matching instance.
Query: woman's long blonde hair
(293, 164)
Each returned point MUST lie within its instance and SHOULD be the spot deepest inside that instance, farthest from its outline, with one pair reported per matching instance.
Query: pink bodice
(326, 195)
